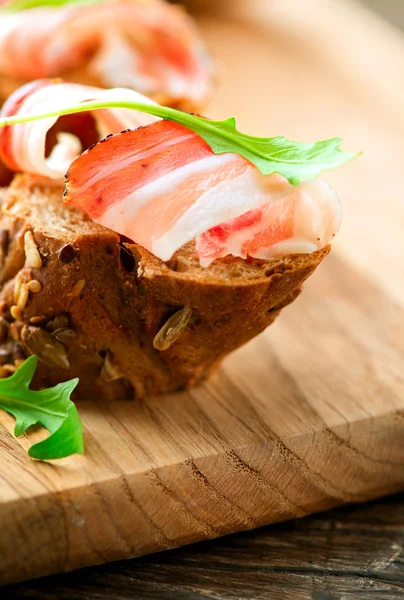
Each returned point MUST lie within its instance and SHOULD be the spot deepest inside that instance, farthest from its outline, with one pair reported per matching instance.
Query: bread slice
(112, 314)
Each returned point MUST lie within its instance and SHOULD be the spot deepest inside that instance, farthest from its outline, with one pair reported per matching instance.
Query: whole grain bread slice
(109, 312)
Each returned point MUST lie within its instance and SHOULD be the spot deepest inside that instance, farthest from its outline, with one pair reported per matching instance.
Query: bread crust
(110, 298)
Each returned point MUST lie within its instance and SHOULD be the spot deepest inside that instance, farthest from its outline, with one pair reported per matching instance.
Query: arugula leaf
(296, 161)
(14, 6)
(52, 408)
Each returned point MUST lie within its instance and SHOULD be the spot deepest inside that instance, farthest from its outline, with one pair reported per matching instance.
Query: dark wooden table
(353, 553)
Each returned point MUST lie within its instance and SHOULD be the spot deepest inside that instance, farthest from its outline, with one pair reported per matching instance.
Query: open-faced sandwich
(147, 45)
(174, 240)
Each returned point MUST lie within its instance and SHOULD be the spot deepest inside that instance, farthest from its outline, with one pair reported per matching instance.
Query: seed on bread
(4, 326)
(66, 335)
(23, 296)
(15, 312)
(172, 329)
(14, 332)
(47, 348)
(32, 256)
(78, 288)
(34, 286)
(37, 319)
(61, 320)
(109, 371)
(17, 350)
(4, 242)
(17, 289)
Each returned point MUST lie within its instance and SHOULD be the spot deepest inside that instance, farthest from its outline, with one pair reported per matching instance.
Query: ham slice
(23, 146)
(162, 186)
(149, 46)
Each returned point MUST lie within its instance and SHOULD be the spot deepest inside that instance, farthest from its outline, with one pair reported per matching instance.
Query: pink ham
(162, 186)
(149, 46)
(23, 147)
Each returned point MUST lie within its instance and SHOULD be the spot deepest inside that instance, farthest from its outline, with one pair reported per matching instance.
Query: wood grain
(354, 553)
(307, 416)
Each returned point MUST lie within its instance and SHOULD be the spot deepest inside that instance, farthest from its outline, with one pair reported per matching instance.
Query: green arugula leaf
(296, 161)
(52, 408)
(13, 6)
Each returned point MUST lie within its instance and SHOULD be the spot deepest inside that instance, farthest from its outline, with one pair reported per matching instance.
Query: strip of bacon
(162, 186)
(149, 46)
(25, 147)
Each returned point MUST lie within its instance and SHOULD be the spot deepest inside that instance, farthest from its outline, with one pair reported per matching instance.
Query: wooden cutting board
(308, 415)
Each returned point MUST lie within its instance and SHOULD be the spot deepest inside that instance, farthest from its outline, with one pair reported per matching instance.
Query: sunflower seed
(172, 329)
(48, 349)
(4, 243)
(66, 335)
(109, 371)
(17, 351)
(61, 320)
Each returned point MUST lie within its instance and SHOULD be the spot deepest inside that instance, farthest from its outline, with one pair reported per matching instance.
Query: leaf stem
(164, 112)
